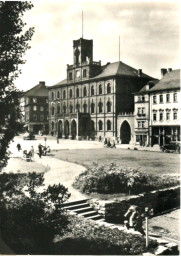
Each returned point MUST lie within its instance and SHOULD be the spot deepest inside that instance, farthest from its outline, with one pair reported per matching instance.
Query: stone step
(88, 214)
(85, 209)
(74, 203)
(74, 207)
(95, 217)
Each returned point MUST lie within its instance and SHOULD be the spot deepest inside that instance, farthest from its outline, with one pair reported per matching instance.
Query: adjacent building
(89, 103)
(34, 109)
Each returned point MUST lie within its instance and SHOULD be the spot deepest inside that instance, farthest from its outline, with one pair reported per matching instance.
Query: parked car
(172, 146)
(29, 136)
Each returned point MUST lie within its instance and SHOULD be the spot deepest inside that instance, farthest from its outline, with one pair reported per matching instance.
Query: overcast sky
(149, 36)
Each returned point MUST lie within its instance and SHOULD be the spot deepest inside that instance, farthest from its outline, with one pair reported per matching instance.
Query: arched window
(92, 125)
(58, 94)
(70, 93)
(52, 125)
(92, 90)
(100, 107)
(108, 106)
(92, 108)
(85, 91)
(78, 107)
(84, 73)
(108, 88)
(108, 125)
(85, 107)
(58, 109)
(64, 109)
(100, 125)
(77, 92)
(52, 95)
(64, 94)
(100, 89)
(53, 110)
(71, 108)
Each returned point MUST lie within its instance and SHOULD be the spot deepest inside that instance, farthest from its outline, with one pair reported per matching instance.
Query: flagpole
(82, 24)
(119, 48)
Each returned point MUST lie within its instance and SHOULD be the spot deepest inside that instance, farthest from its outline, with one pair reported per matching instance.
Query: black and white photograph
(90, 140)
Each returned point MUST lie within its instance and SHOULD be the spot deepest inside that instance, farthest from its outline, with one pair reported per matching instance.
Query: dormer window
(34, 100)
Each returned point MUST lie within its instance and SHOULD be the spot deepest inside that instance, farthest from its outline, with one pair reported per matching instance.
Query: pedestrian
(57, 140)
(18, 147)
(100, 139)
(32, 151)
(40, 150)
(113, 144)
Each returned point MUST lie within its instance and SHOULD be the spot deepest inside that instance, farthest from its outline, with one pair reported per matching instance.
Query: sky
(149, 36)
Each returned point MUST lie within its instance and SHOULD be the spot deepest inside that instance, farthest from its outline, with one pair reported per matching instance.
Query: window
(34, 108)
(53, 111)
(154, 99)
(108, 88)
(92, 90)
(100, 107)
(139, 111)
(70, 93)
(92, 125)
(154, 117)
(70, 76)
(143, 98)
(64, 94)
(77, 92)
(161, 116)
(78, 107)
(174, 115)
(34, 100)
(168, 116)
(46, 100)
(41, 108)
(85, 108)
(52, 95)
(64, 109)
(108, 125)
(137, 138)
(175, 97)
(100, 89)
(143, 111)
(84, 73)
(85, 91)
(139, 124)
(167, 98)
(41, 117)
(108, 106)
(100, 125)
(161, 98)
(34, 117)
(52, 125)
(92, 107)
(58, 109)
(71, 108)
(27, 100)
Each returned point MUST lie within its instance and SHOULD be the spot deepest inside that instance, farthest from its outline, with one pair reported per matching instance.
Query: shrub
(86, 237)
(30, 219)
(114, 179)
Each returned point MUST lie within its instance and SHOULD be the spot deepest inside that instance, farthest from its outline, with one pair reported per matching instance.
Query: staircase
(83, 208)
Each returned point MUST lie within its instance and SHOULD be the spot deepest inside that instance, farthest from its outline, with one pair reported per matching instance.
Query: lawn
(151, 162)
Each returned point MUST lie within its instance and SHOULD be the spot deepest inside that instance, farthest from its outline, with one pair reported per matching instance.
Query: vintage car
(172, 146)
(29, 136)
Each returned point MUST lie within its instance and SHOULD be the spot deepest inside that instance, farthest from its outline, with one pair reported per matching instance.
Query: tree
(30, 217)
(13, 45)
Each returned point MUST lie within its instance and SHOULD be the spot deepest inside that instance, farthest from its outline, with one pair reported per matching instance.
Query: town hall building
(90, 102)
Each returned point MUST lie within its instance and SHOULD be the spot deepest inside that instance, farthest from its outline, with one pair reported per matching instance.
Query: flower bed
(109, 179)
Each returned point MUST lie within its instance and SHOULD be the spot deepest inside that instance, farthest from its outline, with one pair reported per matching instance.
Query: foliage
(13, 45)
(87, 237)
(30, 216)
(113, 179)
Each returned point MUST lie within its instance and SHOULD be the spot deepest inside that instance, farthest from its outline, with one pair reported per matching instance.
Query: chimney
(42, 82)
(139, 72)
(169, 70)
(163, 71)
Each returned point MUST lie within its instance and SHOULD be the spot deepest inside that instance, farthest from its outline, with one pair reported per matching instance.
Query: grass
(150, 162)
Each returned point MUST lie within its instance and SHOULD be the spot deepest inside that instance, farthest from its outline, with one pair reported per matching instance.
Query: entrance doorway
(66, 129)
(74, 129)
(125, 133)
(60, 130)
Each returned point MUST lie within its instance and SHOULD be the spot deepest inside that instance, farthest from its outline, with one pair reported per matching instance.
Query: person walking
(40, 150)
(18, 147)
(32, 151)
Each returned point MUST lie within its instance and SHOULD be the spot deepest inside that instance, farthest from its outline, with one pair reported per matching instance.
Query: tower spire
(82, 23)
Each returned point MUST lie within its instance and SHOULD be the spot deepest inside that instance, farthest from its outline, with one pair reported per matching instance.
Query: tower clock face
(77, 73)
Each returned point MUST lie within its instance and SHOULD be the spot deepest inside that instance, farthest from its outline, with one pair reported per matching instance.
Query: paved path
(59, 171)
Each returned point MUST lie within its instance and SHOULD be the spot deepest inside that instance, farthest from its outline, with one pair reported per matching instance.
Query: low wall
(160, 201)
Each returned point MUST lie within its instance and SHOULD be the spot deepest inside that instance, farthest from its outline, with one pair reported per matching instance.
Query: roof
(39, 90)
(169, 81)
(112, 69)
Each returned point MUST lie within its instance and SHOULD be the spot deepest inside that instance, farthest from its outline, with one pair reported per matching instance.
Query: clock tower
(83, 65)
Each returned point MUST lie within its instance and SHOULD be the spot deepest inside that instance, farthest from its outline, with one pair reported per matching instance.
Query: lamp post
(45, 139)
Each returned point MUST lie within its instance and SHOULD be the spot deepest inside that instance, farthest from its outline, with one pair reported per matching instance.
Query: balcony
(141, 114)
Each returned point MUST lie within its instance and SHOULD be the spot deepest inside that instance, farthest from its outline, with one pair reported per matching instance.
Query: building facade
(88, 103)
(34, 109)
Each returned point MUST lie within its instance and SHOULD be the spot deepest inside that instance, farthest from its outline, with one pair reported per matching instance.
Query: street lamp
(45, 139)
